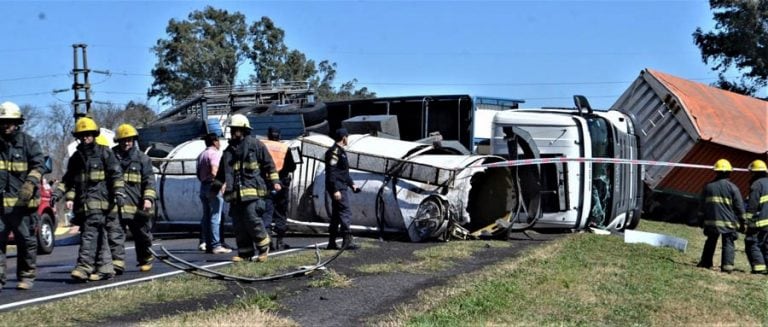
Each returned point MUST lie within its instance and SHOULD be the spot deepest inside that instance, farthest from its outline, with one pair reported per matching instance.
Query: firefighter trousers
(728, 250)
(756, 248)
(249, 228)
(22, 224)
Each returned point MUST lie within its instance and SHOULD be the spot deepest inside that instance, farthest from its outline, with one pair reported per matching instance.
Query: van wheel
(46, 236)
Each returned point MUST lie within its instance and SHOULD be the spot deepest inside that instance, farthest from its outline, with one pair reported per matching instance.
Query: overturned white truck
(572, 188)
(436, 190)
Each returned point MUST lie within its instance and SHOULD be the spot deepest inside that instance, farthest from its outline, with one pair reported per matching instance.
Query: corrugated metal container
(684, 121)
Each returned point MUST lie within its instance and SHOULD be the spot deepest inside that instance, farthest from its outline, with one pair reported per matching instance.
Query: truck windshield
(601, 172)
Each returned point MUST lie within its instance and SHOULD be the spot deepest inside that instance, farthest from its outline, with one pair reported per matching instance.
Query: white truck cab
(577, 193)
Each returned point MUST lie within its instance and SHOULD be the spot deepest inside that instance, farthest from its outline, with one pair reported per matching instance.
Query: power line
(31, 77)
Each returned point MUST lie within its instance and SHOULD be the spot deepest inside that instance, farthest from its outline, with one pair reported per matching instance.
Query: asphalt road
(53, 280)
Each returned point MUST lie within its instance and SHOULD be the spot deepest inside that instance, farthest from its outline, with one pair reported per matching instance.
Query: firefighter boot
(25, 284)
(119, 266)
(146, 265)
(348, 243)
(80, 274)
(263, 248)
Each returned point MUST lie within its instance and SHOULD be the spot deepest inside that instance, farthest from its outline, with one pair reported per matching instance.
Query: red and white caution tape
(527, 162)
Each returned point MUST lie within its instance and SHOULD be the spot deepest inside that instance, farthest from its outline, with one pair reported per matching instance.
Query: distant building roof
(720, 116)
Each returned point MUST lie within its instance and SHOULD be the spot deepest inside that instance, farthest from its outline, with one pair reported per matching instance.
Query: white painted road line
(137, 280)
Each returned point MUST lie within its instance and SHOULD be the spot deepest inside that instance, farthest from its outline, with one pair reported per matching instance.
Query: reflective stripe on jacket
(723, 206)
(245, 167)
(139, 180)
(21, 160)
(93, 176)
(757, 205)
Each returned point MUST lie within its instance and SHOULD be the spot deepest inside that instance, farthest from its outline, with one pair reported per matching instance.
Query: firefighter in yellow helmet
(243, 168)
(23, 170)
(140, 197)
(92, 185)
(723, 210)
(756, 216)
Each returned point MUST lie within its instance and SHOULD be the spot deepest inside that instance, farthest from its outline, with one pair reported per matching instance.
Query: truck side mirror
(581, 103)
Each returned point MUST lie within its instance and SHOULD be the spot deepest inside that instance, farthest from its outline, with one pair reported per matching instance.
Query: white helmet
(9, 110)
(239, 121)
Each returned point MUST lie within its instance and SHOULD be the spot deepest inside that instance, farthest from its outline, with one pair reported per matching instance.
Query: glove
(26, 192)
(119, 199)
(54, 199)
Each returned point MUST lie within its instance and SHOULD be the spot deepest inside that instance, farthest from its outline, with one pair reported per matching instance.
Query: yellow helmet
(758, 165)
(125, 131)
(723, 165)
(85, 124)
(9, 110)
(102, 140)
(240, 121)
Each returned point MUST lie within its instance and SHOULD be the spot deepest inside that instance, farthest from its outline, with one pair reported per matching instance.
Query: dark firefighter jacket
(723, 206)
(93, 177)
(244, 167)
(139, 180)
(21, 160)
(757, 206)
(337, 170)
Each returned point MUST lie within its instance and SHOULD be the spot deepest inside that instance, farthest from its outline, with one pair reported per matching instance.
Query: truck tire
(46, 236)
(313, 114)
(321, 128)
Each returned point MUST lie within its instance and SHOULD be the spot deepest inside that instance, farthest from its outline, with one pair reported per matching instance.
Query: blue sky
(539, 51)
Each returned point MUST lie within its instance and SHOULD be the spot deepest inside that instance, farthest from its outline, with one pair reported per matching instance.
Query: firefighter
(22, 168)
(140, 197)
(756, 216)
(244, 168)
(277, 202)
(92, 185)
(723, 210)
(337, 182)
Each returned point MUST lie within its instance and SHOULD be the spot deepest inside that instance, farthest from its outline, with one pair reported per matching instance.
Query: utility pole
(85, 86)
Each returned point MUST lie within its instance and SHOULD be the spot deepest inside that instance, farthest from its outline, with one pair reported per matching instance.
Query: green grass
(98, 306)
(586, 279)
(432, 259)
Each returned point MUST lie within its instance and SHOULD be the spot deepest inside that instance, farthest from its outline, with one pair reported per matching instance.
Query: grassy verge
(250, 311)
(432, 259)
(98, 306)
(585, 279)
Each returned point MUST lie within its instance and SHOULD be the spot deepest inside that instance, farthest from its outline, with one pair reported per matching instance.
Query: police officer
(20, 173)
(92, 185)
(723, 210)
(756, 216)
(277, 202)
(245, 168)
(137, 212)
(337, 182)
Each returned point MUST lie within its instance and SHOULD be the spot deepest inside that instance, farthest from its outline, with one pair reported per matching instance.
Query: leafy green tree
(323, 84)
(740, 40)
(207, 48)
(203, 50)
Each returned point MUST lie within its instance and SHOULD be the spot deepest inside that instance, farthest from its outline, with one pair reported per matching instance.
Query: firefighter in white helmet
(245, 169)
(22, 170)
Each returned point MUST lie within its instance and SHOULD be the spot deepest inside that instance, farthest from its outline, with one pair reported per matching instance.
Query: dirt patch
(369, 295)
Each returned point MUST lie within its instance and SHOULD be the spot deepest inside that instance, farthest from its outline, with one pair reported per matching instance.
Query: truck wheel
(46, 236)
